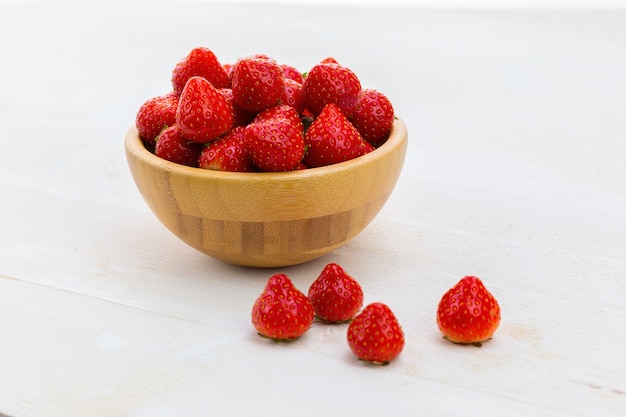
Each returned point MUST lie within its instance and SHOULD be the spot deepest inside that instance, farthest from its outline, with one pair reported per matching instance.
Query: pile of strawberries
(467, 313)
(260, 115)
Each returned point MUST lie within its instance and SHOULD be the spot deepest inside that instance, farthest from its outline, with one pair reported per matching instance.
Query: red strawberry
(375, 334)
(276, 139)
(291, 73)
(154, 115)
(282, 312)
(281, 111)
(331, 83)
(258, 83)
(307, 118)
(468, 313)
(331, 138)
(228, 68)
(292, 95)
(172, 146)
(307, 113)
(263, 56)
(201, 62)
(228, 153)
(203, 112)
(373, 116)
(335, 295)
(241, 116)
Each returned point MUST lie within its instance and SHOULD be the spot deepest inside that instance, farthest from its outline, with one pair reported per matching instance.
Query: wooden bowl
(268, 219)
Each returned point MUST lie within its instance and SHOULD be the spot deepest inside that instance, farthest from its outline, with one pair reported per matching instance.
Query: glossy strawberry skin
(258, 83)
(282, 312)
(335, 295)
(293, 96)
(375, 335)
(241, 117)
(291, 73)
(228, 153)
(203, 112)
(229, 69)
(275, 139)
(201, 62)
(331, 139)
(154, 115)
(170, 145)
(373, 116)
(331, 83)
(280, 111)
(468, 313)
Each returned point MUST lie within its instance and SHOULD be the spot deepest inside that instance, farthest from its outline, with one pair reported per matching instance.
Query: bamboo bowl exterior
(268, 219)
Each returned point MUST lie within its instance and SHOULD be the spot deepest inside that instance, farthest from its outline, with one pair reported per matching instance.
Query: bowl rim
(135, 146)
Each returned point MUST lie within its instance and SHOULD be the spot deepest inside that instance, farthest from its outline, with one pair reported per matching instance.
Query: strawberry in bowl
(267, 168)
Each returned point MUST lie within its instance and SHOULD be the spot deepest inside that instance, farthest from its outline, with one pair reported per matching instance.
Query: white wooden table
(516, 173)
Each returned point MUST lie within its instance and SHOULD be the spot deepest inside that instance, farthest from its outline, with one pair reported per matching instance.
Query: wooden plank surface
(515, 173)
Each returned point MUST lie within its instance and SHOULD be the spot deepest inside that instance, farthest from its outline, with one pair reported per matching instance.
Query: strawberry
(199, 62)
(172, 146)
(203, 112)
(331, 83)
(307, 118)
(468, 313)
(258, 83)
(331, 138)
(375, 335)
(291, 73)
(228, 153)
(276, 139)
(154, 115)
(281, 111)
(282, 312)
(335, 295)
(263, 56)
(241, 117)
(373, 116)
(229, 69)
(292, 95)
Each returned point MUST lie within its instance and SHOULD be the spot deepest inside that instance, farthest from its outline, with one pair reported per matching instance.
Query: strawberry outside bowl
(265, 219)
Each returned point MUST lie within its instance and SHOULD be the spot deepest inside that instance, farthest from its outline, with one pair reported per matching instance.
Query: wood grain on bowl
(268, 219)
